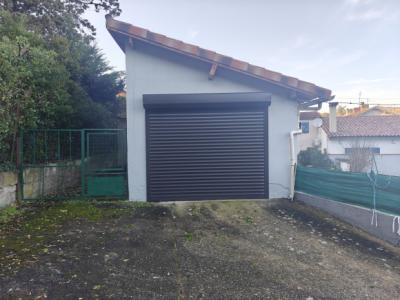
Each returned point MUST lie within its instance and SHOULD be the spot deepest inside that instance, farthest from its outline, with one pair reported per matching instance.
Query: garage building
(204, 126)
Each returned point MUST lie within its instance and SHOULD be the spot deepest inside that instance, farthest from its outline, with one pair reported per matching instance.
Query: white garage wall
(160, 74)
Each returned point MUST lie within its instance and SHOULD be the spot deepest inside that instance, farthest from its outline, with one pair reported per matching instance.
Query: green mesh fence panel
(50, 164)
(72, 163)
(352, 188)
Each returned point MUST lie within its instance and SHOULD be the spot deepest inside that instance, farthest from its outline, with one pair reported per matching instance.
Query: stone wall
(52, 180)
(8, 184)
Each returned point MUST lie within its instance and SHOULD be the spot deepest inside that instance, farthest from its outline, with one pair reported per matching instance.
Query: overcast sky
(344, 45)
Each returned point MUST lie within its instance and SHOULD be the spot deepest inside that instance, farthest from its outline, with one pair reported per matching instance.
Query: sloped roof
(122, 31)
(365, 126)
(382, 110)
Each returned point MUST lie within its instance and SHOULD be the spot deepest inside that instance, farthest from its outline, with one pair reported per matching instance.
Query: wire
(369, 103)
(367, 98)
(373, 176)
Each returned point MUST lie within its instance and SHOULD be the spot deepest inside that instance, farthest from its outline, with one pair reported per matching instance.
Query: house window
(304, 126)
(373, 150)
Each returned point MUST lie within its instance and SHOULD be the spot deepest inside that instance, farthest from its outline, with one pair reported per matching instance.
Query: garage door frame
(207, 102)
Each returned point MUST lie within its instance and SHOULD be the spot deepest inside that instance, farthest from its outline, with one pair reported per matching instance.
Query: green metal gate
(72, 163)
(104, 165)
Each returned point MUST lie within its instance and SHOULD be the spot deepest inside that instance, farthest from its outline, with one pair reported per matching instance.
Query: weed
(38, 223)
(8, 213)
(188, 236)
(248, 220)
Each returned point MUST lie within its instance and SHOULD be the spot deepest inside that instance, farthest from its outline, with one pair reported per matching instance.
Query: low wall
(357, 216)
(49, 180)
(8, 184)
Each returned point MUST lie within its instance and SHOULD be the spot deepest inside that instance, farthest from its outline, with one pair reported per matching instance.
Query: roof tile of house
(359, 126)
(382, 110)
(307, 89)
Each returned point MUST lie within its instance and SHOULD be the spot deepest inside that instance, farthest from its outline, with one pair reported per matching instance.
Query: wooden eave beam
(213, 71)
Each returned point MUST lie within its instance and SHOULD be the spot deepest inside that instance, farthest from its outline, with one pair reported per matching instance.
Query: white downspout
(293, 162)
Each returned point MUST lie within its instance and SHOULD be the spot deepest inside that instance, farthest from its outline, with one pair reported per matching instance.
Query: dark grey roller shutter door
(207, 153)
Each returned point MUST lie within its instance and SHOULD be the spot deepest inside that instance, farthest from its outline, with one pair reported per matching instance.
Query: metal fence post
(20, 169)
(58, 146)
(82, 162)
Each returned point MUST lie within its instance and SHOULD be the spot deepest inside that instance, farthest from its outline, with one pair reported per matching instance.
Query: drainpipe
(293, 162)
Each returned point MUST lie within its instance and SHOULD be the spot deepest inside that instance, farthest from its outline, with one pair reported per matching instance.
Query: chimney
(332, 116)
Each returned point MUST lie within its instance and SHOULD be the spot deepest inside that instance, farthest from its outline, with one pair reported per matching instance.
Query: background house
(343, 137)
(201, 125)
(381, 110)
(310, 136)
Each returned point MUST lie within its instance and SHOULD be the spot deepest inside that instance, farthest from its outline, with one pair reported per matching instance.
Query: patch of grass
(8, 213)
(59, 213)
(188, 236)
(74, 210)
(36, 225)
(248, 220)
(140, 204)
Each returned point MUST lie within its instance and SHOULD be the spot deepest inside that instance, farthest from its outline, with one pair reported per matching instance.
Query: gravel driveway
(210, 250)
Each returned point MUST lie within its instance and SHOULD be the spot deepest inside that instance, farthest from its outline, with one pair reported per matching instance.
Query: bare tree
(360, 156)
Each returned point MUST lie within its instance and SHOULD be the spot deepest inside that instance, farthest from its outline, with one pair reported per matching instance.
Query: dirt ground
(203, 250)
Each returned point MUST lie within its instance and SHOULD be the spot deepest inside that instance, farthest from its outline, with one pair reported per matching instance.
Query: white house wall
(386, 144)
(324, 140)
(307, 140)
(388, 161)
(388, 164)
(152, 74)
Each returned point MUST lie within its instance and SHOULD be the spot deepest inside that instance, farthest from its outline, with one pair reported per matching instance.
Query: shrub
(315, 158)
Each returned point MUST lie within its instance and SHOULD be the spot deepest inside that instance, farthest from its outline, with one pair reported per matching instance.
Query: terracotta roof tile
(359, 126)
(271, 74)
(173, 43)
(256, 70)
(191, 49)
(290, 80)
(306, 86)
(382, 110)
(306, 89)
(240, 65)
(207, 54)
(138, 31)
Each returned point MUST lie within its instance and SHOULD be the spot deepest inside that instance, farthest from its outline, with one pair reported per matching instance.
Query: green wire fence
(70, 163)
(351, 188)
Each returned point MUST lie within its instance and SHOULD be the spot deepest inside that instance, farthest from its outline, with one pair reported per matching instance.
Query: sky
(348, 46)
